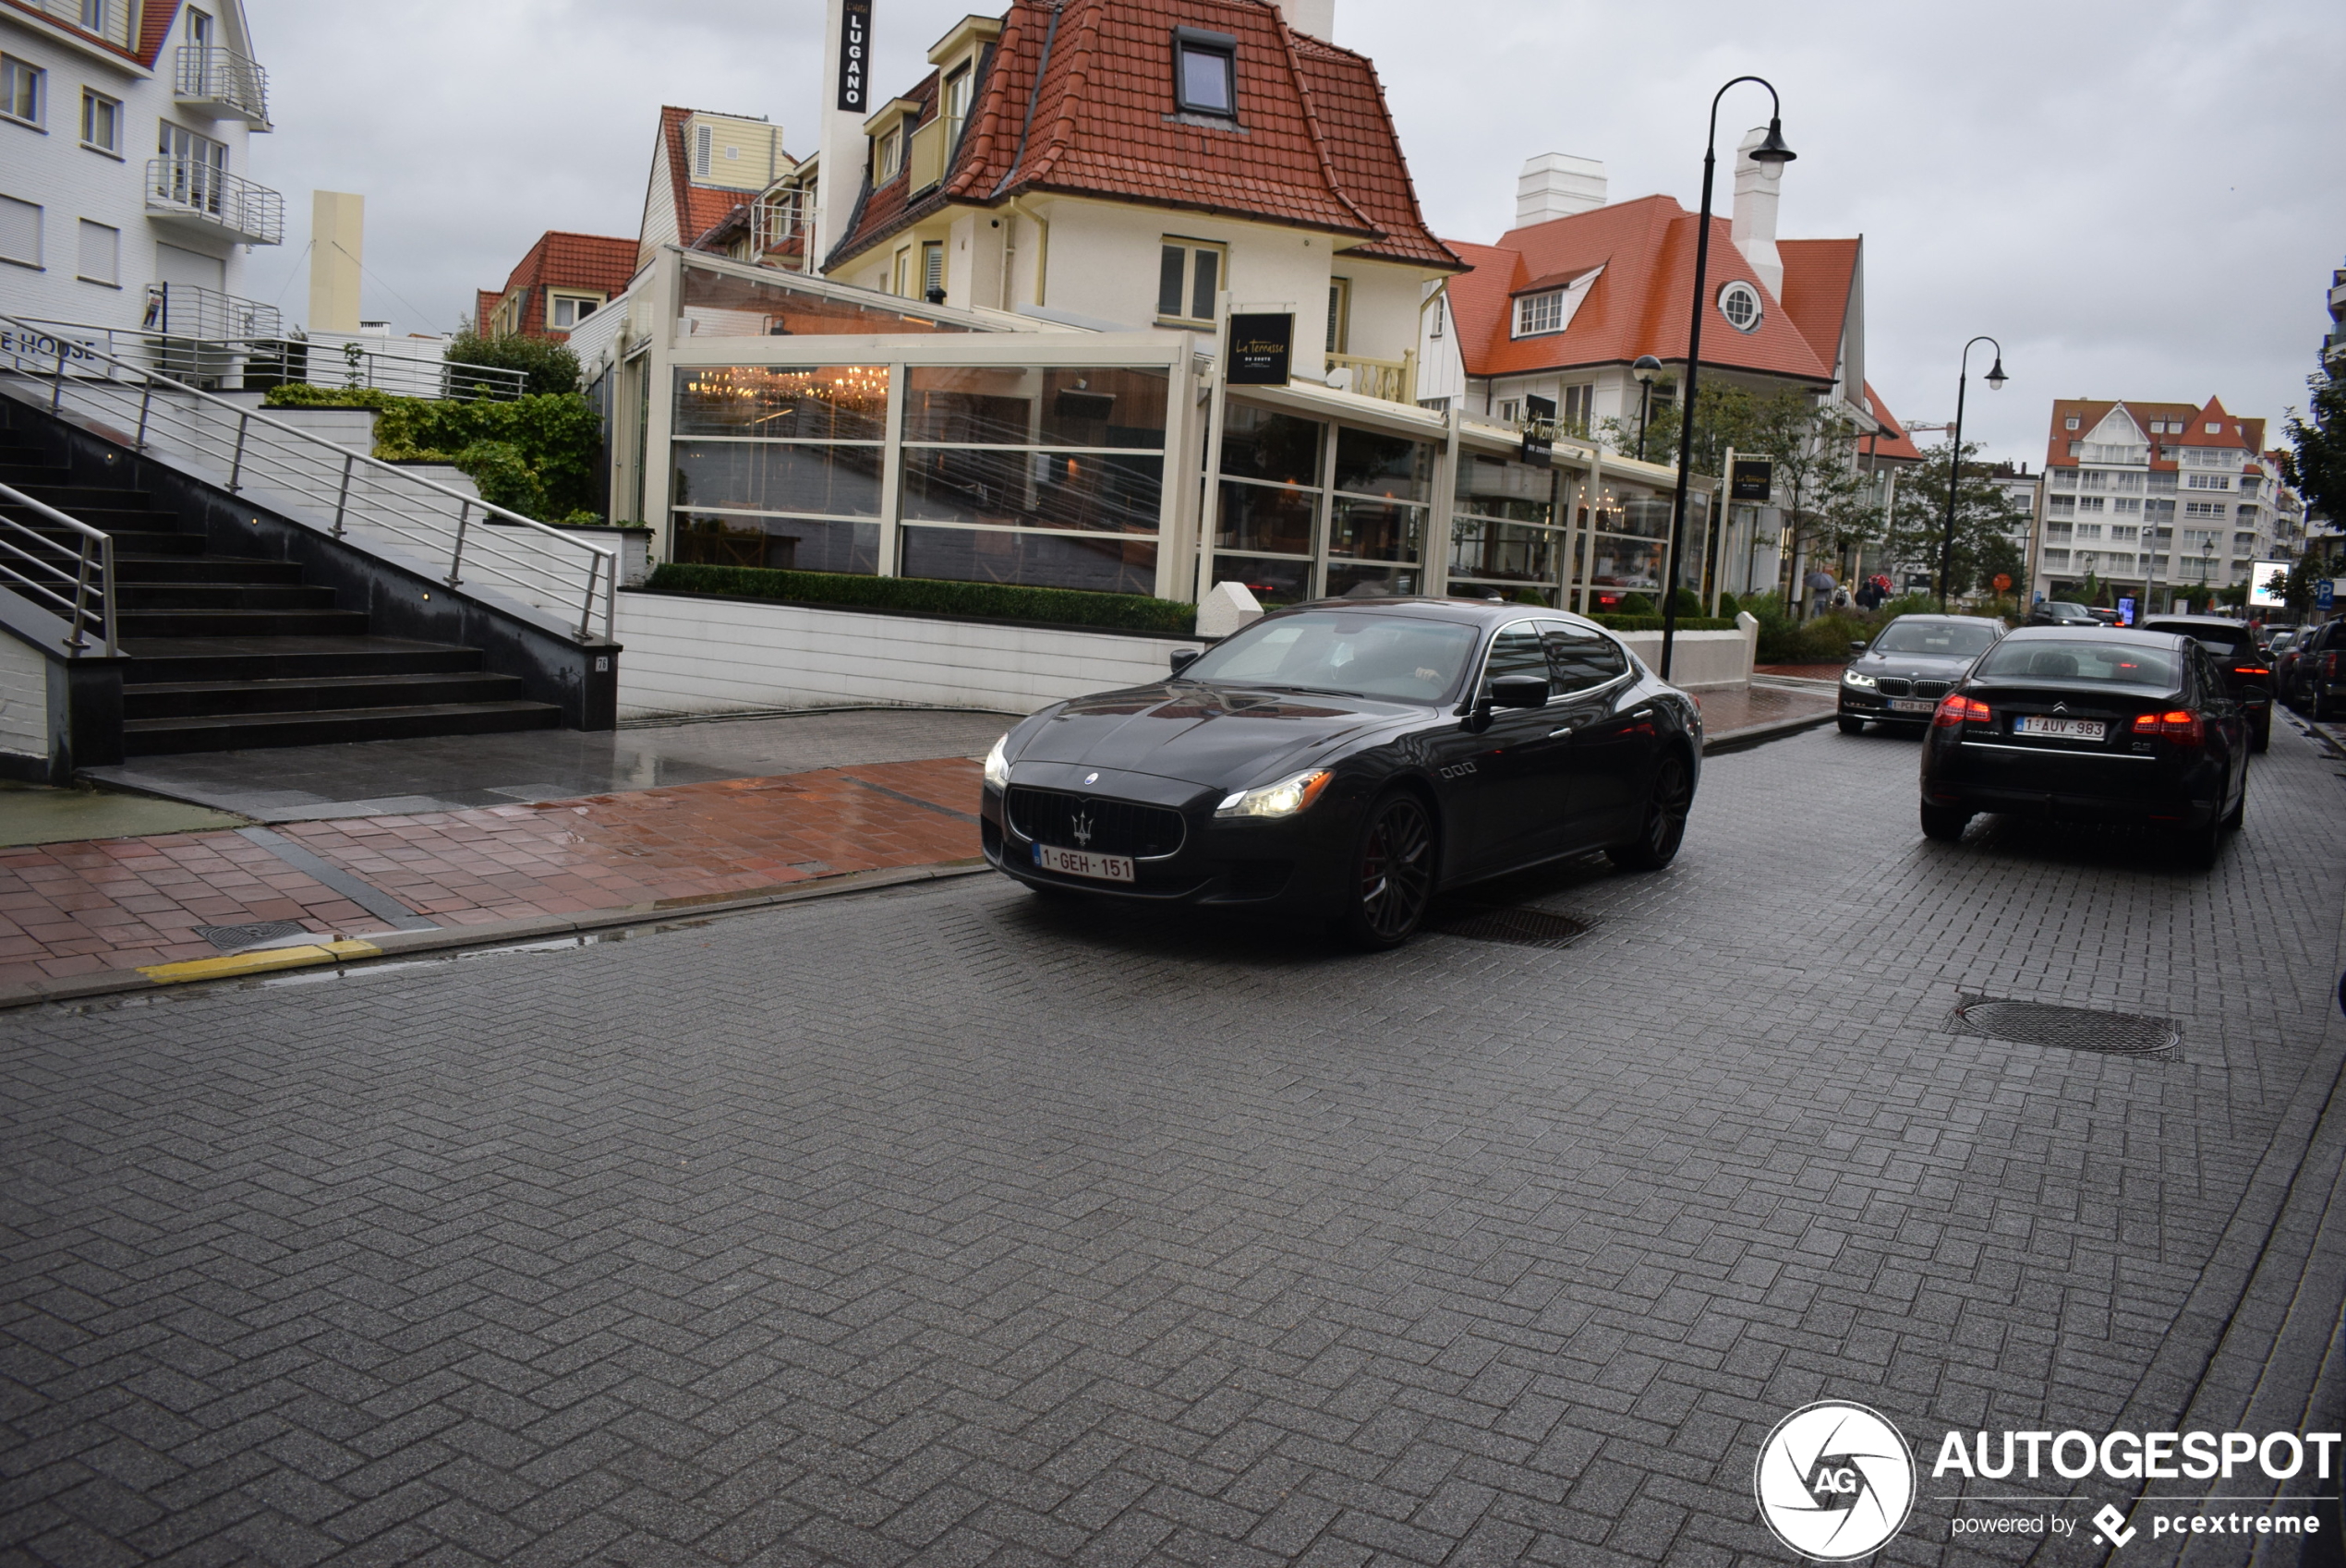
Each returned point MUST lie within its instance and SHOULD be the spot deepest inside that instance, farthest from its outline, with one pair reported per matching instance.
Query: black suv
(2059, 612)
(2232, 646)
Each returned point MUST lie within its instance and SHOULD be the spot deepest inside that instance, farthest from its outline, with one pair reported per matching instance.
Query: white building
(2159, 498)
(124, 200)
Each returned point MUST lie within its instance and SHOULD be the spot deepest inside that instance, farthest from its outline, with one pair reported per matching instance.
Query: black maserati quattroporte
(1345, 761)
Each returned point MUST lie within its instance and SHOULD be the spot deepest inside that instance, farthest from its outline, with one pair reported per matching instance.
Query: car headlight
(1283, 798)
(1851, 678)
(997, 765)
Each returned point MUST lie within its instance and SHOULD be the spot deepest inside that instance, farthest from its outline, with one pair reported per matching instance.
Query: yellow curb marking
(259, 961)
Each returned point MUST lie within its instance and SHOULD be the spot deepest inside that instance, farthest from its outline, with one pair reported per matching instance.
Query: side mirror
(1184, 658)
(1519, 691)
(1857, 644)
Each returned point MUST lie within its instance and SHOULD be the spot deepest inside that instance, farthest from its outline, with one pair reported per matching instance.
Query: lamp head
(1996, 377)
(1771, 149)
(1646, 368)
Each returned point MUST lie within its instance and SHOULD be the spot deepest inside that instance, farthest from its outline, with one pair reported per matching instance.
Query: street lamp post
(1771, 149)
(1995, 379)
(1644, 369)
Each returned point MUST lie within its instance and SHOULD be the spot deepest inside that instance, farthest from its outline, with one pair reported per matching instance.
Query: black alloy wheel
(2200, 847)
(1392, 875)
(1664, 828)
(2261, 737)
(1945, 823)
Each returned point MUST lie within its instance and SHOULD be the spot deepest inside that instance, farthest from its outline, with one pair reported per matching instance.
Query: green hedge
(990, 602)
(535, 455)
(301, 395)
(1653, 622)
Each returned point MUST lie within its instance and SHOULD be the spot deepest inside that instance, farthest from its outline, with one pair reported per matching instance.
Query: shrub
(558, 439)
(1653, 622)
(552, 368)
(503, 476)
(1637, 604)
(991, 601)
(1727, 605)
(1908, 604)
(301, 395)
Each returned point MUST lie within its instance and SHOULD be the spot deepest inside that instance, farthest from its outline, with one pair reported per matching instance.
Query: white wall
(724, 656)
(24, 700)
(1701, 659)
(50, 168)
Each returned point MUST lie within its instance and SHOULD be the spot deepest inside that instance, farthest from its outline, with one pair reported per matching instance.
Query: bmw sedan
(1911, 664)
(2101, 727)
(1343, 762)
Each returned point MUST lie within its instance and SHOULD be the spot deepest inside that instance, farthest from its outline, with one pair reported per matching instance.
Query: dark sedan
(2247, 667)
(1910, 666)
(1344, 761)
(2060, 613)
(2103, 727)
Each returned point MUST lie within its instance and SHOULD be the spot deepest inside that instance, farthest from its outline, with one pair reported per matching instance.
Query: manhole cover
(2072, 1029)
(228, 938)
(1499, 923)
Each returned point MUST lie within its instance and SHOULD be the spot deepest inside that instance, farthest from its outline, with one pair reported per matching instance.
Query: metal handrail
(327, 363)
(93, 575)
(218, 74)
(407, 506)
(197, 188)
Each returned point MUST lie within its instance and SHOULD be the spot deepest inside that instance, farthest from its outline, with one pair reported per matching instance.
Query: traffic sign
(2325, 593)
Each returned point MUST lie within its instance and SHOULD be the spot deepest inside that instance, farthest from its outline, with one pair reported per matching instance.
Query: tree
(1986, 517)
(2316, 467)
(552, 368)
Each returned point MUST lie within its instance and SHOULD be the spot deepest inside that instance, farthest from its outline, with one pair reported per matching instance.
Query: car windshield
(2222, 641)
(1938, 637)
(2100, 659)
(1352, 653)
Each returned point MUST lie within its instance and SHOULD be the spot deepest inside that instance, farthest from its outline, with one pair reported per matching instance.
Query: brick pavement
(74, 908)
(946, 1227)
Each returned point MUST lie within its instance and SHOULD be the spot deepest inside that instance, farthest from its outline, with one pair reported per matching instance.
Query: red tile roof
(560, 259)
(1819, 275)
(1313, 146)
(2186, 425)
(1639, 306)
(154, 24)
(698, 208)
(1893, 444)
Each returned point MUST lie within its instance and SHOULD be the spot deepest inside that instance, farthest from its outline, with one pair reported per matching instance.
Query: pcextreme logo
(1835, 1481)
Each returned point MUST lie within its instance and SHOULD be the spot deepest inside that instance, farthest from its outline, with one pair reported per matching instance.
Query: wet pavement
(463, 772)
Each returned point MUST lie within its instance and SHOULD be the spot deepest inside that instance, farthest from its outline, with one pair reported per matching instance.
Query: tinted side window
(1580, 659)
(1516, 651)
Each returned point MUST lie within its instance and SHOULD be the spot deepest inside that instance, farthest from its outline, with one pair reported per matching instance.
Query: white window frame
(81, 254)
(1539, 315)
(93, 100)
(573, 298)
(13, 70)
(39, 234)
(1737, 289)
(1191, 250)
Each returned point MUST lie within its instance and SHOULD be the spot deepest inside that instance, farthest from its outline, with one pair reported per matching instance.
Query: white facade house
(124, 196)
(2159, 498)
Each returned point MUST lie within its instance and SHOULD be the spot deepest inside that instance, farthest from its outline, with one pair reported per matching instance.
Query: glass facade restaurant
(793, 423)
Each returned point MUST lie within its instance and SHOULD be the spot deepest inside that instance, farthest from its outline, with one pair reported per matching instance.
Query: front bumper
(1265, 865)
(1873, 707)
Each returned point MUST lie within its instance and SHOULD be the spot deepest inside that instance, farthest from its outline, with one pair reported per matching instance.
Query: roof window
(2215, 426)
(1538, 313)
(1205, 72)
(2070, 422)
(1739, 303)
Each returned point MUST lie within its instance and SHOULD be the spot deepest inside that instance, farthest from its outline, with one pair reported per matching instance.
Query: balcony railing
(220, 82)
(774, 221)
(1390, 380)
(925, 157)
(190, 311)
(205, 195)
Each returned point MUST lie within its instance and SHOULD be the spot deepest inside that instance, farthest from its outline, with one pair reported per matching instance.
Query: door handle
(1563, 734)
(1643, 713)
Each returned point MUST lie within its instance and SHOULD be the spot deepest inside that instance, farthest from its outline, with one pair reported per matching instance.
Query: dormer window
(1739, 303)
(1538, 313)
(1205, 72)
(887, 157)
(957, 105)
(2070, 422)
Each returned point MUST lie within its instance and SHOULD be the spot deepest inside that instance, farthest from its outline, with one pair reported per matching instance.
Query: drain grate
(228, 938)
(2070, 1028)
(1501, 922)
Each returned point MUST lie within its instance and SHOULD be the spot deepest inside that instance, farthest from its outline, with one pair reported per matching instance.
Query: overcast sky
(2138, 200)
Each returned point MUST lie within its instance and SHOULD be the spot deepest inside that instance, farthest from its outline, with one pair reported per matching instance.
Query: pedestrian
(1820, 587)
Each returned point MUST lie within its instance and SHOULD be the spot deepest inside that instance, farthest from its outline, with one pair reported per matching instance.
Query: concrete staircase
(231, 652)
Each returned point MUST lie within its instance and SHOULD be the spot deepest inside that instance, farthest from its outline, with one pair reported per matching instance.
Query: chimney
(337, 230)
(1556, 185)
(1757, 187)
(1315, 18)
(847, 102)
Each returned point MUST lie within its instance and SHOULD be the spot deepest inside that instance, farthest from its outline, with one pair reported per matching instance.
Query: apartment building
(2159, 498)
(124, 199)
(562, 279)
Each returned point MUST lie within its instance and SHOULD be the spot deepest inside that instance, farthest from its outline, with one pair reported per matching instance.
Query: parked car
(1910, 665)
(2059, 612)
(1347, 760)
(2106, 617)
(2106, 727)
(2246, 669)
(2312, 676)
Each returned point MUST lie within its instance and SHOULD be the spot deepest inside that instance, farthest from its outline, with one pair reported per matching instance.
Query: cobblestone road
(940, 1227)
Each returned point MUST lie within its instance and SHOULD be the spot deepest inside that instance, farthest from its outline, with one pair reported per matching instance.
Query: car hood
(1934, 666)
(1199, 733)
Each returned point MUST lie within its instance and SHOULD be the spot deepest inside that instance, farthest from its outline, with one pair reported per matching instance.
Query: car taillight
(1955, 708)
(2179, 725)
(2329, 667)
(2250, 670)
